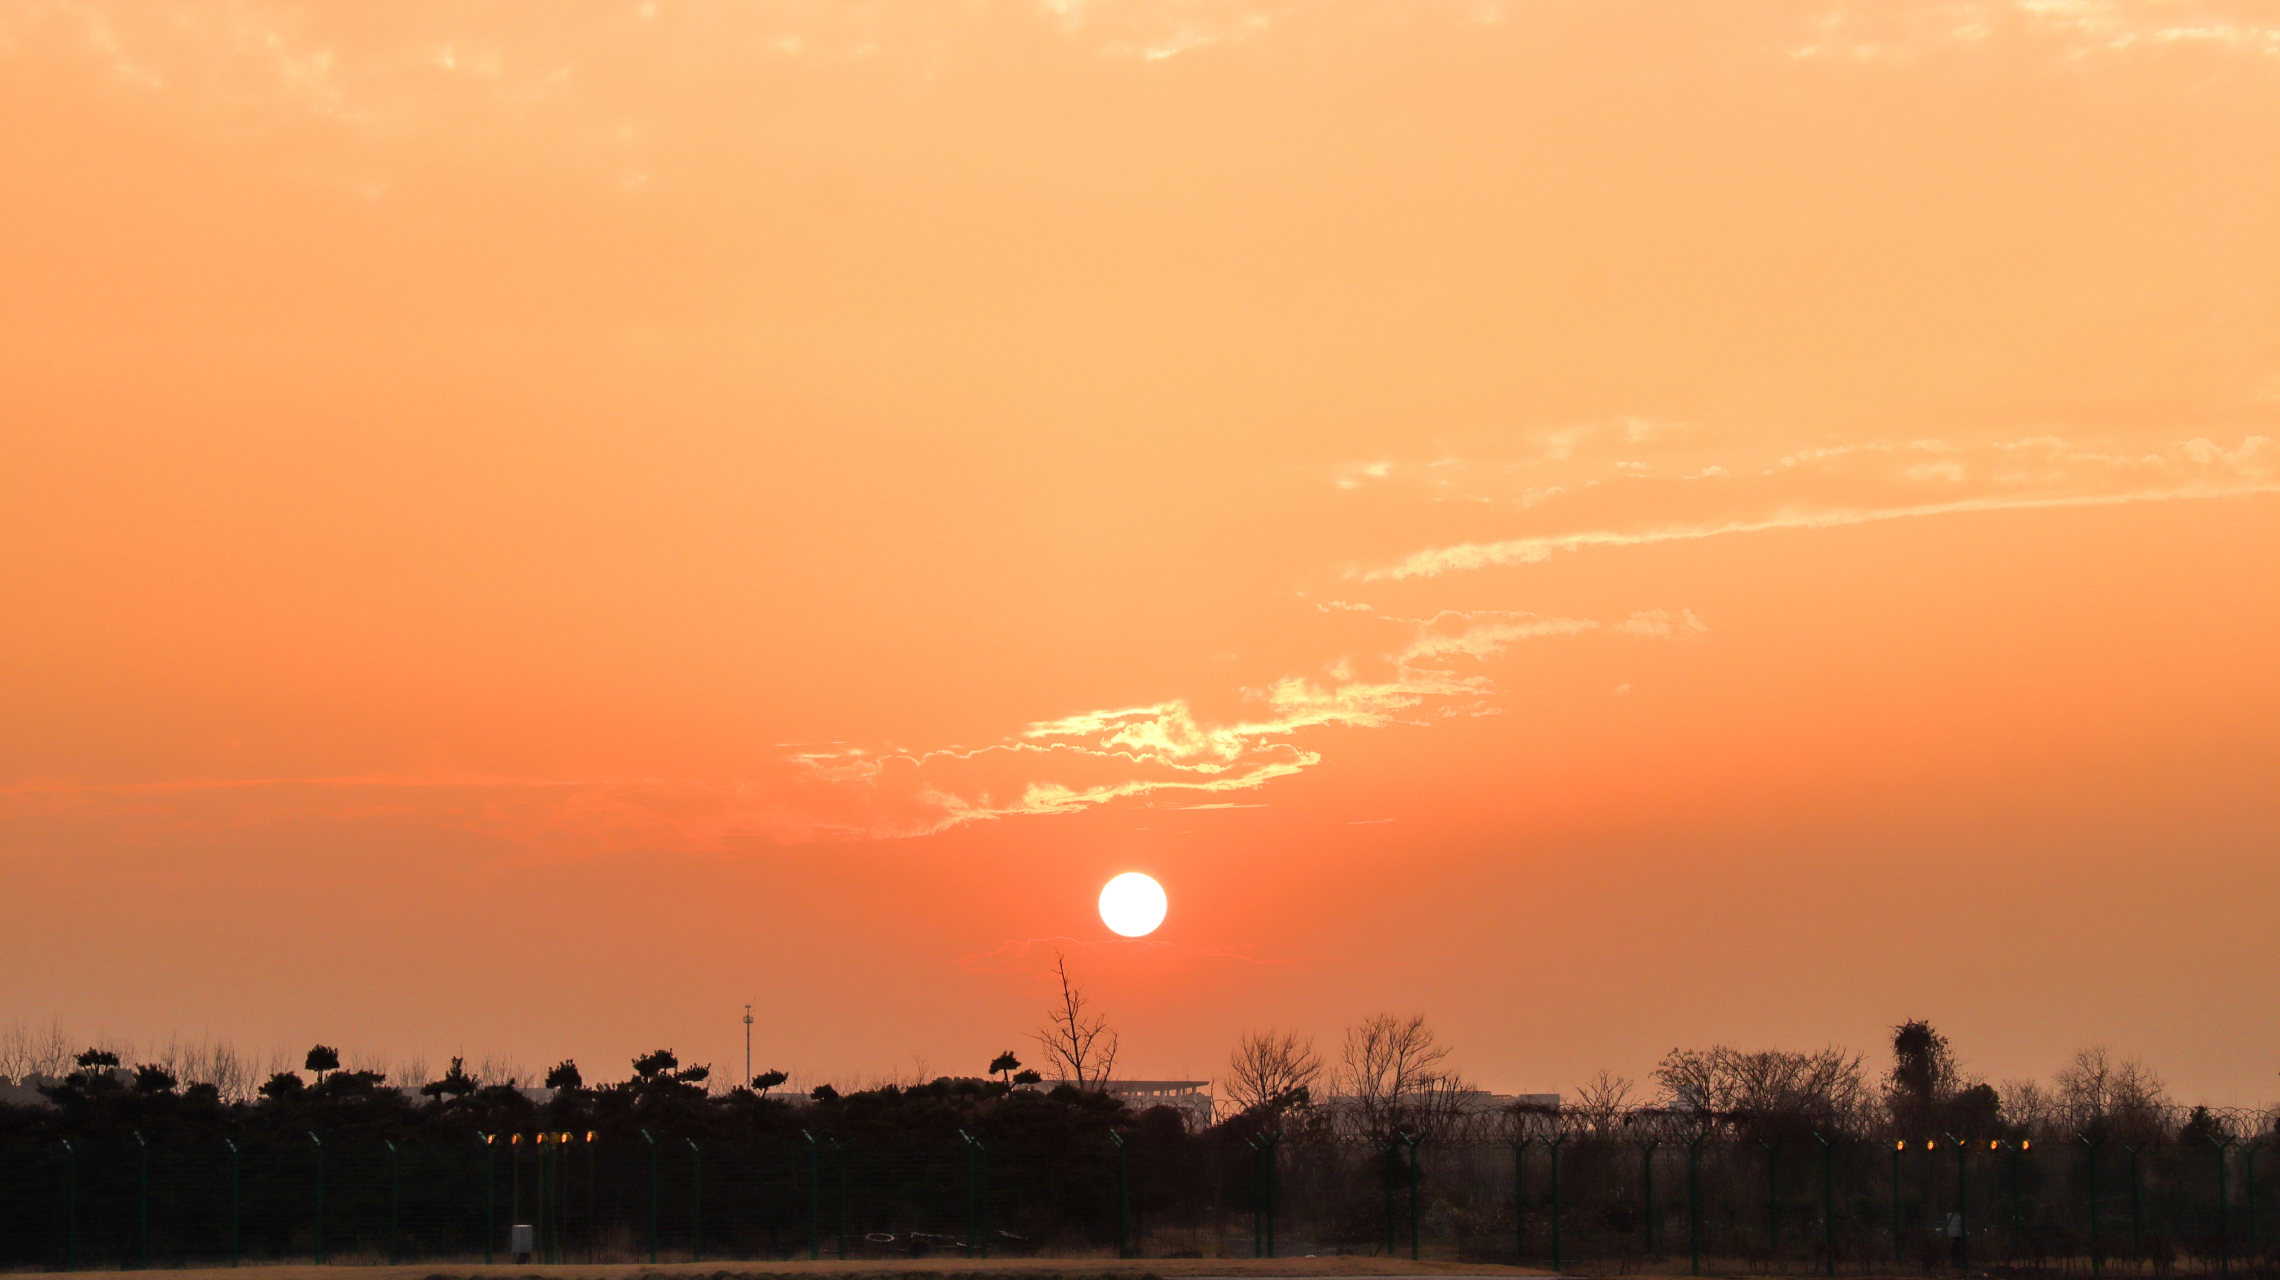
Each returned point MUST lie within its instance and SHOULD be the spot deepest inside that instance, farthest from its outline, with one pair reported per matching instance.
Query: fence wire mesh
(1552, 1192)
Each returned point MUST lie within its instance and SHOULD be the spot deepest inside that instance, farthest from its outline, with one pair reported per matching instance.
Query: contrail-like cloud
(2231, 473)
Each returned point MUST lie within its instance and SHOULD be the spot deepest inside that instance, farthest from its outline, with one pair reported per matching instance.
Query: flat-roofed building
(1192, 1098)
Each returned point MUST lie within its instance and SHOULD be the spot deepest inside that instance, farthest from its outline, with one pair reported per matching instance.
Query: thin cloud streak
(1060, 766)
(1463, 557)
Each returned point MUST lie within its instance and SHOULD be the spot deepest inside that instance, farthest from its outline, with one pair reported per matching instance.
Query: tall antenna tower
(748, 1046)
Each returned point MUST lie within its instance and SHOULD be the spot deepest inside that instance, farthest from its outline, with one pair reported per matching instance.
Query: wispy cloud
(2043, 472)
(2073, 29)
(1062, 765)
(1475, 637)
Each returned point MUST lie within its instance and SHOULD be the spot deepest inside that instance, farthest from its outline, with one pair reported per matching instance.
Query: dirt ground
(931, 1269)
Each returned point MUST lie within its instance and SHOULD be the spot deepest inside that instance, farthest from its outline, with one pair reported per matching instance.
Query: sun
(1132, 904)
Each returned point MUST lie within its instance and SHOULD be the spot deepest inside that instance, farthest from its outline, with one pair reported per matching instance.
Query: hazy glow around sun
(1133, 904)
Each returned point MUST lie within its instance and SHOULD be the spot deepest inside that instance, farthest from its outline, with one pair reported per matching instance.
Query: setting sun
(1132, 904)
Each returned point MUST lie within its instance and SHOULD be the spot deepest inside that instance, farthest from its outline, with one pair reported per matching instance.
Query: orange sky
(1611, 525)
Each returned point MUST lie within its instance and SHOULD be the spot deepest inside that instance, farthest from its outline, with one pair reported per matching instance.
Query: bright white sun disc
(1132, 904)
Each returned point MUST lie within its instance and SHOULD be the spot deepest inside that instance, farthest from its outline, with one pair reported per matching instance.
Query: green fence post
(2090, 1161)
(237, 1214)
(1412, 1139)
(1123, 1197)
(1898, 1145)
(2018, 1215)
(395, 1184)
(1263, 1193)
(652, 1195)
(1694, 1204)
(696, 1201)
(1258, 1201)
(1388, 1180)
(1647, 1192)
(1556, 1144)
(1520, 1200)
(815, 1197)
(1274, 1188)
(1962, 1201)
(540, 1202)
(142, 1202)
(320, 1236)
(839, 1160)
(1828, 1205)
(557, 1163)
(550, 1176)
(2137, 1206)
(490, 1195)
(2224, 1188)
(972, 1239)
(541, 1199)
(562, 1234)
(1772, 1204)
(70, 1206)
(2248, 1189)
(977, 1197)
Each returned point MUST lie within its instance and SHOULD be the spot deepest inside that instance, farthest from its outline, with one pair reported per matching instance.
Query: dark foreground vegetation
(1763, 1161)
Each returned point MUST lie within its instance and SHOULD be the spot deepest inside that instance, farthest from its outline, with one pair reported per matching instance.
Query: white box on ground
(519, 1238)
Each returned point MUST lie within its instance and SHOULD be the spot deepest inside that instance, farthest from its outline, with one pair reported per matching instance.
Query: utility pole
(748, 1045)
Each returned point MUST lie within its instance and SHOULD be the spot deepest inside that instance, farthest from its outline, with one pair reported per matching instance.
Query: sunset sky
(1611, 525)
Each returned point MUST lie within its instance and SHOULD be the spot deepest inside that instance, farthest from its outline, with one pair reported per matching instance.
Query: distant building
(1344, 1109)
(1548, 1101)
(1192, 1098)
(1470, 1100)
(538, 1096)
(26, 1092)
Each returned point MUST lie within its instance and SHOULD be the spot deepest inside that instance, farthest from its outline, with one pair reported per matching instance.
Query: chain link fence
(1602, 1198)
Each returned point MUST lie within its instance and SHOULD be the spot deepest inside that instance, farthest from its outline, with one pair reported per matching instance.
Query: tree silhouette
(321, 1059)
(1392, 1069)
(150, 1079)
(1078, 1044)
(767, 1080)
(563, 1076)
(659, 1073)
(1975, 1110)
(283, 1085)
(1923, 1075)
(1004, 1065)
(456, 1083)
(95, 1068)
(1027, 1077)
(350, 1084)
(1272, 1072)
(2203, 1126)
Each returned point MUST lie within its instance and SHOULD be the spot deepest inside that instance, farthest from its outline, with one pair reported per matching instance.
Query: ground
(947, 1268)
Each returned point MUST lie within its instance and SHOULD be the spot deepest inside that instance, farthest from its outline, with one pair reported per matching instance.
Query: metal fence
(1564, 1196)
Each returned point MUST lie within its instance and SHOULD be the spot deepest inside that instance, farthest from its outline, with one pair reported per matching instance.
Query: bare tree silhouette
(1078, 1044)
(1272, 1072)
